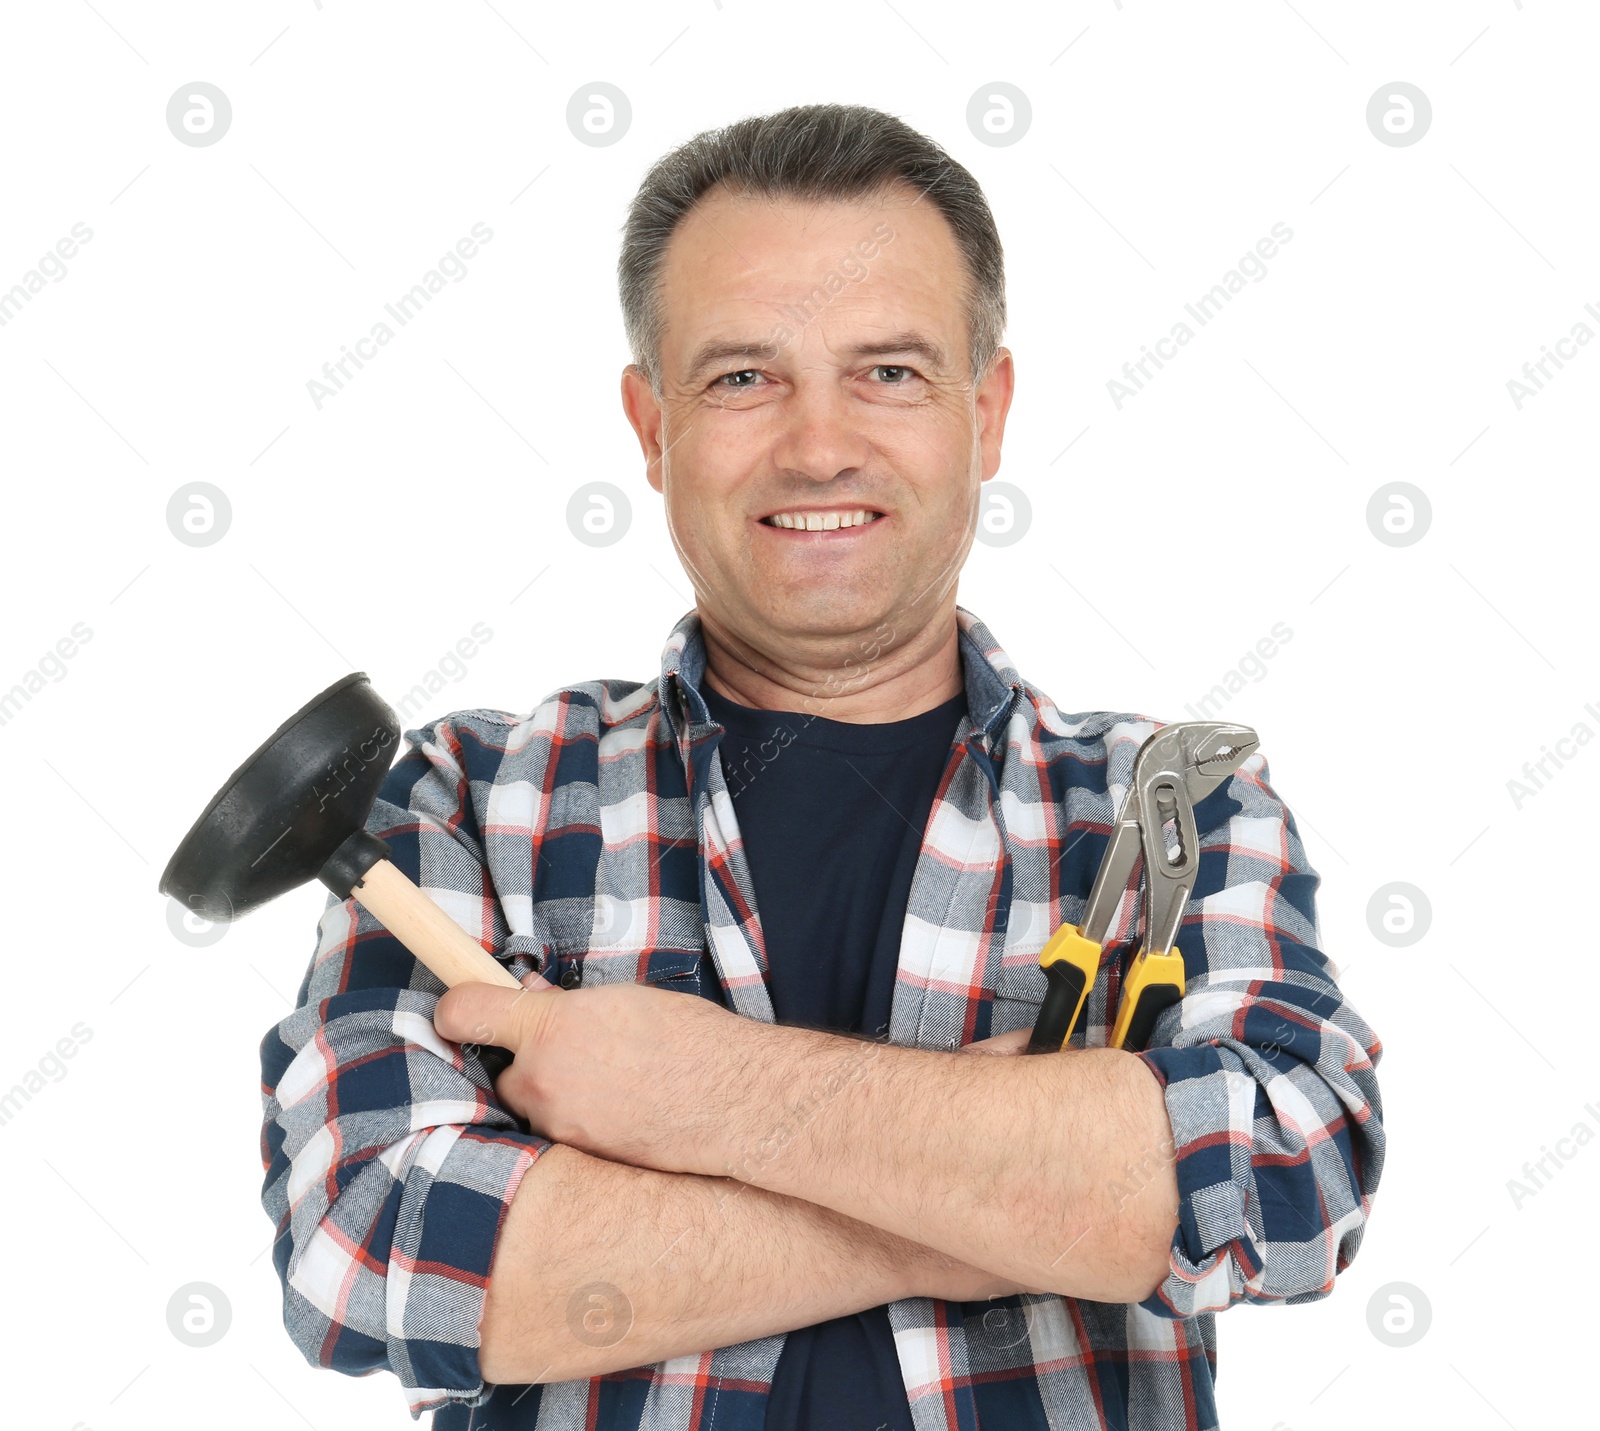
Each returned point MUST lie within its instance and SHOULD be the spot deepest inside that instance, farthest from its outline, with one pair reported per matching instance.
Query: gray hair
(809, 152)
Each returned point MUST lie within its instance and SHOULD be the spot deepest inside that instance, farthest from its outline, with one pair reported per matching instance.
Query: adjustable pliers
(1176, 767)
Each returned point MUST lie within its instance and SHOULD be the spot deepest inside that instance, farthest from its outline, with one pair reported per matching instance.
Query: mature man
(843, 823)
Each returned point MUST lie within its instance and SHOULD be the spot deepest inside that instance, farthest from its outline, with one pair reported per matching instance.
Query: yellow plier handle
(1154, 983)
(1070, 962)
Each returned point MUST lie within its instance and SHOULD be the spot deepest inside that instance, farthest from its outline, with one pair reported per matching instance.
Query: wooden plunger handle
(427, 931)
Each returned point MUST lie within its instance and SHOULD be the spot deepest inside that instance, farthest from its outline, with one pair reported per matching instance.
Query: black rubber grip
(1153, 998)
(1063, 990)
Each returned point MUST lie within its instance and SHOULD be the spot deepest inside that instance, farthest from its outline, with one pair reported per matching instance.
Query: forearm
(1054, 1171)
(702, 1262)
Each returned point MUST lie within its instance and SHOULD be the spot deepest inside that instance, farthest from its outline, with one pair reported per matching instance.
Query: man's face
(814, 367)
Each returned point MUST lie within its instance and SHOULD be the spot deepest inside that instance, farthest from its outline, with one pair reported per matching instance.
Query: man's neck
(867, 679)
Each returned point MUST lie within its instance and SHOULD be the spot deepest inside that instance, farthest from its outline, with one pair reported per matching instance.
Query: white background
(1229, 495)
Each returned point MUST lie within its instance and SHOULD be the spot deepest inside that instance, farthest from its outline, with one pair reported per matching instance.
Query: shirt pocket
(683, 970)
(1018, 994)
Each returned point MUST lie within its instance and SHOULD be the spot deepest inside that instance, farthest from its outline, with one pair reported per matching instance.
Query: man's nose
(820, 433)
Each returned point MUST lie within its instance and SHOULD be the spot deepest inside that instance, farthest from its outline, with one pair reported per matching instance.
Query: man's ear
(993, 402)
(644, 414)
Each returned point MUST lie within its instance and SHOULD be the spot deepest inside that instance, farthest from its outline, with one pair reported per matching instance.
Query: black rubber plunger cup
(296, 811)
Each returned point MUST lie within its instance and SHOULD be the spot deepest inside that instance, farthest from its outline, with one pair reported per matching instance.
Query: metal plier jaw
(1176, 767)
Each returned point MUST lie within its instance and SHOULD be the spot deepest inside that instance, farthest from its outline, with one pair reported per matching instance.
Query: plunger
(296, 811)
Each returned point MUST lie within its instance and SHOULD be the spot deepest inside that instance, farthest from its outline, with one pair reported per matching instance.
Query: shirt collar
(991, 681)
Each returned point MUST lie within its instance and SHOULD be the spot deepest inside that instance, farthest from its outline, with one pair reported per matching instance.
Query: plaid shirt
(595, 838)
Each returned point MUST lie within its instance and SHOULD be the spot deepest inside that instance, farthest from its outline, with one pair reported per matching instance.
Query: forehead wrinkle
(907, 341)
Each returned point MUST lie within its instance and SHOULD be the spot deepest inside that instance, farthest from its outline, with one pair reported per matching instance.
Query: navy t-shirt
(832, 814)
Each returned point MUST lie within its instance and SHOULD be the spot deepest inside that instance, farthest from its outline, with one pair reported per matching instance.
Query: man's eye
(897, 375)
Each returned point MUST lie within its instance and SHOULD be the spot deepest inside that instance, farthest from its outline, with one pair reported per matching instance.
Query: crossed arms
(408, 1226)
(861, 1173)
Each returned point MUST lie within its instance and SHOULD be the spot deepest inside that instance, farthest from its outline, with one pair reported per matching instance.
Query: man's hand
(599, 1069)
(603, 1069)
(614, 1071)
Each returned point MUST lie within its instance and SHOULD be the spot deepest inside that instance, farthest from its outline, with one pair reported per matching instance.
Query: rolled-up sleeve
(1268, 1072)
(389, 1163)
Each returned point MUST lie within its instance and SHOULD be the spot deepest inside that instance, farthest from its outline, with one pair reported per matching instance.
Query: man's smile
(821, 519)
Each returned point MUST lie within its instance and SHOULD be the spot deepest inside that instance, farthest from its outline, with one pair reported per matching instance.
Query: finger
(487, 1013)
(535, 980)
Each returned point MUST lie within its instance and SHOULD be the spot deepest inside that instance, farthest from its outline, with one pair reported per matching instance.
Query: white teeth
(822, 521)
